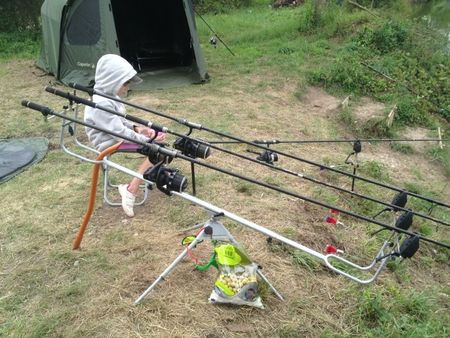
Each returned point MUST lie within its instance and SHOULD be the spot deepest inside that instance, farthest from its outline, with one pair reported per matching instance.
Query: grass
(402, 148)
(48, 290)
(21, 44)
(398, 312)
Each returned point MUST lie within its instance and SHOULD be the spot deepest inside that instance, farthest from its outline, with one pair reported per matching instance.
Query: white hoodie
(111, 73)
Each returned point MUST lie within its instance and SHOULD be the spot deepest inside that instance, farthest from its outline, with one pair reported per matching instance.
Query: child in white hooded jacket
(113, 75)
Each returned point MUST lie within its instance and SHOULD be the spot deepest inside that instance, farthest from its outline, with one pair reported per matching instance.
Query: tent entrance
(153, 35)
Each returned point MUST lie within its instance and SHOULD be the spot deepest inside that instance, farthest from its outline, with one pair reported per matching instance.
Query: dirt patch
(367, 109)
(418, 133)
(318, 102)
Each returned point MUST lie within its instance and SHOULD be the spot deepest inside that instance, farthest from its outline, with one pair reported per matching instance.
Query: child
(113, 75)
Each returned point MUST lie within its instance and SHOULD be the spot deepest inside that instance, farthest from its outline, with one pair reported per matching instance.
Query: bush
(20, 15)
(19, 44)
(375, 3)
(310, 17)
(408, 112)
(218, 6)
(388, 37)
(350, 75)
(408, 61)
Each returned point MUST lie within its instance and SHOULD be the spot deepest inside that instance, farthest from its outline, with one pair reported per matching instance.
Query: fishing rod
(373, 140)
(215, 34)
(170, 182)
(198, 126)
(197, 148)
(153, 150)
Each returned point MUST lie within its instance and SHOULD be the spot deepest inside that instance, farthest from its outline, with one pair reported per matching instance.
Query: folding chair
(109, 188)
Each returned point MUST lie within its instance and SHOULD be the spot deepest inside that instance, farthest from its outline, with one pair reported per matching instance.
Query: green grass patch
(442, 156)
(375, 170)
(19, 45)
(398, 312)
(402, 148)
(305, 260)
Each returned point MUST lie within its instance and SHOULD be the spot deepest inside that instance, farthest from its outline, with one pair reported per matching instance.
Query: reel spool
(192, 148)
(166, 179)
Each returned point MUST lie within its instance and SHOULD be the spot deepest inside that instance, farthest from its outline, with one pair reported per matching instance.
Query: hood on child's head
(111, 73)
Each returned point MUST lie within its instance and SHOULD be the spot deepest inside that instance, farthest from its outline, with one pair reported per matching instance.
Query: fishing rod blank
(172, 153)
(198, 126)
(194, 149)
(373, 140)
(198, 148)
(215, 34)
(188, 145)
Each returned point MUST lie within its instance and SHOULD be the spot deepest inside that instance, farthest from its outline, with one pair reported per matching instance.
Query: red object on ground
(330, 249)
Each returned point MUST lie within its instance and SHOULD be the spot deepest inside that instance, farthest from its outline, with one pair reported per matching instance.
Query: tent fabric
(16, 155)
(156, 37)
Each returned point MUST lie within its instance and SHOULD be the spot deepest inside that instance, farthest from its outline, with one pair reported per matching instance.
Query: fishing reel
(166, 179)
(154, 157)
(213, 41)
(192, 148)
(268, 157)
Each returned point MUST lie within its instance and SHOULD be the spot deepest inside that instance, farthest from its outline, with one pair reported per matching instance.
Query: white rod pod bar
(217, 210)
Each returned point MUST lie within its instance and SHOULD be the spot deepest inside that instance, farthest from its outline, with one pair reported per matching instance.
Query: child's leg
(133, 187)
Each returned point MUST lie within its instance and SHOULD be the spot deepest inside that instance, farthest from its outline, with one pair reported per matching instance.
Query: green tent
(159, 38)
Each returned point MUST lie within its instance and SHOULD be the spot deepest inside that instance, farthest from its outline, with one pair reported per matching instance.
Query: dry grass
(46, 289)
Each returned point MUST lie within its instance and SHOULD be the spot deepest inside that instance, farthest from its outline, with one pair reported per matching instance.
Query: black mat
(18, 154)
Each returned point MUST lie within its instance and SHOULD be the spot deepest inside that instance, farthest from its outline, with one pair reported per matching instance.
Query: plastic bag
(236, 282)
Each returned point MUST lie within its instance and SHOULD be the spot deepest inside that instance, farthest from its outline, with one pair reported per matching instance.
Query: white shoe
(127, 200)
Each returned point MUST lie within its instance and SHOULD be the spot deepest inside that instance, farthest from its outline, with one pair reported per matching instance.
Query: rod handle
(44, 110)
(69, 96)
(77, 86)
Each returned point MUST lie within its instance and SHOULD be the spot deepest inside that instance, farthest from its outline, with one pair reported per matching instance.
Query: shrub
(310, 17)
(408, 112)
(218, 6)
(350, 75)
(20, 15)
(19, 44)
(390, 36)
(375, 3)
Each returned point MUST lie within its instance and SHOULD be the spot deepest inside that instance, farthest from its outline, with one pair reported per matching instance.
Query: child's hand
(160, 137)
(145, 131)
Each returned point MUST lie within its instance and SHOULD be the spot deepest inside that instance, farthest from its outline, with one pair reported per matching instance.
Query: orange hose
(90, 209)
